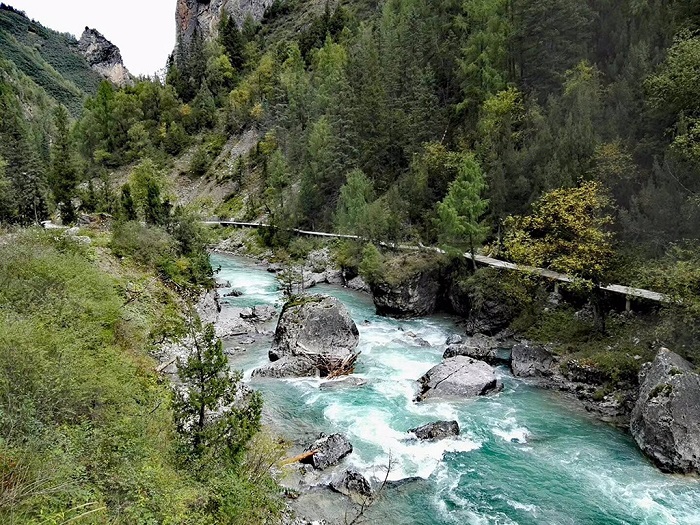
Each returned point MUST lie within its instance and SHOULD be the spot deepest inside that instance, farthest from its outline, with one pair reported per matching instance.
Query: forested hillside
(369, 113)
(553, 133)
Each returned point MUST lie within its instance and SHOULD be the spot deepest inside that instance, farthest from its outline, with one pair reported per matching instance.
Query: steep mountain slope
(50, 59)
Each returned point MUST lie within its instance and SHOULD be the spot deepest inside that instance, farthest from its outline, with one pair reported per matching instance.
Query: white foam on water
(410, 457)
(509, 430)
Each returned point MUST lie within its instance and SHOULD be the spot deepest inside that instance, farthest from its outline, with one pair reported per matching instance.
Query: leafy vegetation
(86, 429)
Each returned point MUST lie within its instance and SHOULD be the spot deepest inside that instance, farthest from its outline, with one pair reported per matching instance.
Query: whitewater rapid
(524, 456)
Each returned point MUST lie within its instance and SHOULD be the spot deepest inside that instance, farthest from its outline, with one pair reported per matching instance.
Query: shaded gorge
(525, 455)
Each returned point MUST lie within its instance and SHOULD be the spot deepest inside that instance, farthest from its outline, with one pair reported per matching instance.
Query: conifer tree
(461, 210)
(209, 412)
(63, 176)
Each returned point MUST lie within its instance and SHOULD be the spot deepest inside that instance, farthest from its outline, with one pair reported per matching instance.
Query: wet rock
(481, 347)
(275, 268)
(353, 484)
(437, 430)
(318, 332)
(223, 284)
(531, 361)
(666, 418)
(454, 339)
(346, 382)
(233, 293)
(330, 450)
(458, 377)
(287, 366)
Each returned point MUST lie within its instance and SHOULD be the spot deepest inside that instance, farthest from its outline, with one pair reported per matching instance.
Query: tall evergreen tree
(63, 176)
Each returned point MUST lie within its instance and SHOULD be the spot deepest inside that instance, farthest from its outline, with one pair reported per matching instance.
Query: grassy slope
(49, 58)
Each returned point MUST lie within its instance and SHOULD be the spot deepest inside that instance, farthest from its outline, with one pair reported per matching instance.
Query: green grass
(86, 428)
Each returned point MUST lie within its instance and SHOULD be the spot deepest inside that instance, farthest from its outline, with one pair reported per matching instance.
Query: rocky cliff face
(666, 419)
(104, 57)
(204, 15)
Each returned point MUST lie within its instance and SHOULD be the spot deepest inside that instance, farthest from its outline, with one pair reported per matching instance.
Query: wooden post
(628, 304)
(556, 288)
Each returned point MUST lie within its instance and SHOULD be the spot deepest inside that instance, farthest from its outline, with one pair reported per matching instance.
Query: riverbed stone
(315, 334)
(346, 382)
(458, 377)
(665, 421)
(528, 360)
(352, 484)
(481, 347)
(437, 430)
(330, 450)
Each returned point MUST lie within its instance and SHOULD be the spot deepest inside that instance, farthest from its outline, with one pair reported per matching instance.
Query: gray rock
(203, 16)
(437, 430)
(416, 296)
(346, 382)
(233, 293)
(353, 484)
(263, 313)
(104, 57)
(330, 450)
(481, 347)
(208, 307)
(666, 418)
(454, 339)
(318, 332)
(358, 284)
(458, 377)
(531, 361)
(229, 323)
(287, 366)
(223, 284)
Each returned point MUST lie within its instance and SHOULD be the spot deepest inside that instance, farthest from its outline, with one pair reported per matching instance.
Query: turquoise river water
(525, 456)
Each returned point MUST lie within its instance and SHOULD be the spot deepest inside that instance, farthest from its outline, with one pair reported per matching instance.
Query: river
(525, 455)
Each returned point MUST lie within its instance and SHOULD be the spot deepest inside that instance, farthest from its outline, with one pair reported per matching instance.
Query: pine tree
(63, 176)
(231, 39)
(208, 411)
(461, 210)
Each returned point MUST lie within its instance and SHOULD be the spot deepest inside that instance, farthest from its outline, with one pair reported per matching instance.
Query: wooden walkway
(627, 291)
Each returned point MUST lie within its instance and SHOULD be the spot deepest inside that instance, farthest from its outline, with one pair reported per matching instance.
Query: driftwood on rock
(298, 458)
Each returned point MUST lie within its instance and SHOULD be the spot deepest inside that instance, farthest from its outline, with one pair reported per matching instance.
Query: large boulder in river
(437, 430)
(458, 377)
(410, 287)
(531, 361)
(666, 418)
(328, 451)
(481, 347)
(352, 484)
(315, 335)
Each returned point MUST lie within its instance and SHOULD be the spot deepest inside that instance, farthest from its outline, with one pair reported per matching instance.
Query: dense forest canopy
(556, 133)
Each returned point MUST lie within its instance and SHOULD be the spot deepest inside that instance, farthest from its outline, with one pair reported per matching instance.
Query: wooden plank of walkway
(627, 291)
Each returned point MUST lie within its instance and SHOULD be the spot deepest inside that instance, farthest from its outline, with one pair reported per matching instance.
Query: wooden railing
(627, 291)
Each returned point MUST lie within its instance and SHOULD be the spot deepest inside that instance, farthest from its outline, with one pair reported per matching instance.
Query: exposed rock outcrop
(436, 431)
(481, 347)
(315, 335)
(104, 57)
(330, 450)
(203, 16)
(531, 361)
(666, 418)
(458, 377)
(416, 296)
(352, 484)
